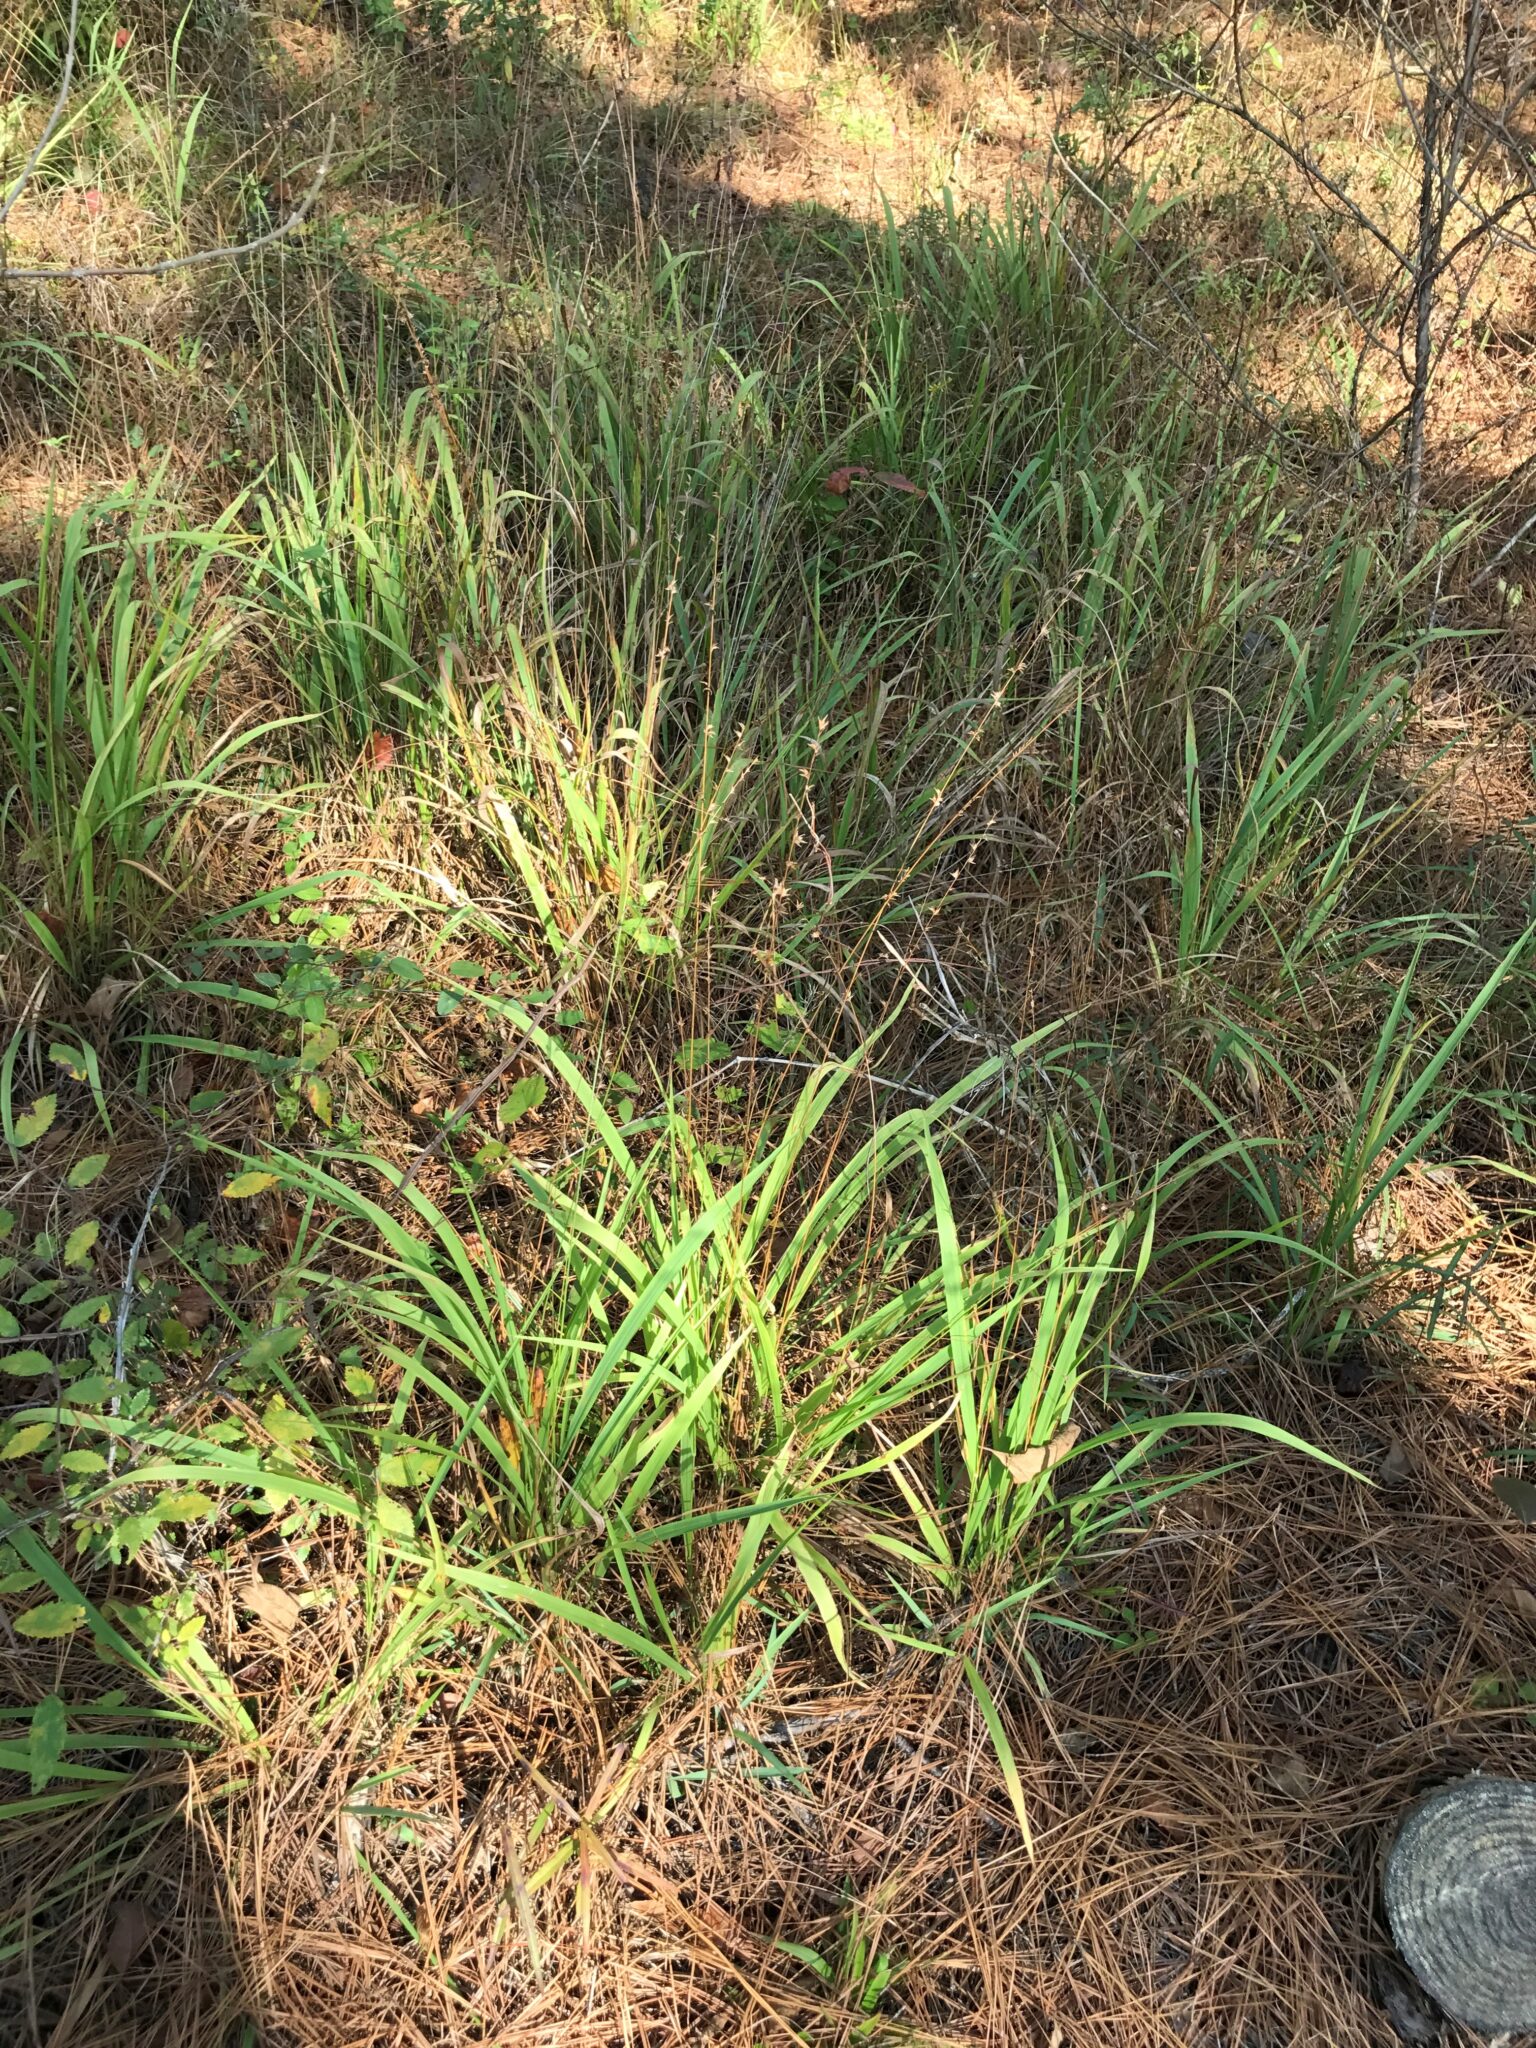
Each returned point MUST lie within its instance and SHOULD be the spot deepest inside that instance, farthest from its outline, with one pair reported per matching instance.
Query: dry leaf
(349, 1838)
(1290, 1776)
(1520, 1598)
(508, 1437)
(271, 1604)
(1022, 1466)
(192, 1307)
(424, 1104)
(181, 1081)
(101, 1004)
(92, 201)
(380, 751)
(1396, 1467)
(131, 1929)
(839, 481)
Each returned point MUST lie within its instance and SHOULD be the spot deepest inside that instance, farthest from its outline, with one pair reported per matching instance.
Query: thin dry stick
(53, 119)
(229, 254)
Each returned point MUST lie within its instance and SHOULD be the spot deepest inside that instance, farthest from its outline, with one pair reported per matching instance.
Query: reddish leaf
(838, 482)
(895, 481)
(93, 201)
(380, 751)
(121, 40)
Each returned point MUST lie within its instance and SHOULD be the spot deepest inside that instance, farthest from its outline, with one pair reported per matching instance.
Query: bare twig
(229, 254)
(54, 118)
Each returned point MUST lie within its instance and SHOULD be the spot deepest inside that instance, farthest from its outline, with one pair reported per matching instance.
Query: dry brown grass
(1236, 1707)
(1209, 1802)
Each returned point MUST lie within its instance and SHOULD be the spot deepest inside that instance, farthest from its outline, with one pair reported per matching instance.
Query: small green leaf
(695, 1053)
(25, 1365)
(91, 1391)
(183, 1507)
(285, 1425)
(1517, 1494)
(85, 1312)
(30, 1437)
(447, 1003)
(53, 1618)
(82, 1461)
(7, 1223)
(84, 1171)
(359, 1384)
(268, 1346)
(317, 1093)
(68, 1057)
(318, 1047)
(522, 1097)
(253, 1182)
(38, 1119)
(9, 1327)
(394, 1516)
(46, 1738)
(206, 1099)
(410, 1468)
(80, 1243)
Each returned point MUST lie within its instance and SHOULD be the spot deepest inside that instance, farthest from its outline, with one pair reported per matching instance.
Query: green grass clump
(658, 973)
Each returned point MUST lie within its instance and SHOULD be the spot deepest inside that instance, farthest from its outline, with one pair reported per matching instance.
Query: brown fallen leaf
(380, 751)
(424, 1104)
(1520, 1598)
(1290, 1776)
(272, 1604)
(895, 481)
(1022, 1466)
(192, 1307)
(837, 483)
(1396, 1467)
(102, 1003)
(131, 1928)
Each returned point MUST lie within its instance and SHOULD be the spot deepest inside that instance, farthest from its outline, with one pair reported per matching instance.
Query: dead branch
(79, 272)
